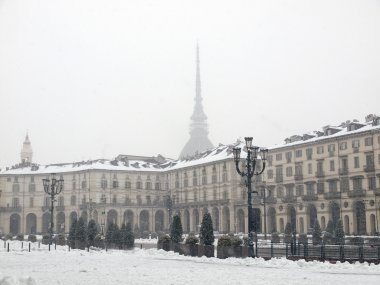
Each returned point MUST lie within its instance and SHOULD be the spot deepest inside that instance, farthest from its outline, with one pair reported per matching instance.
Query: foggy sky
(93, 79)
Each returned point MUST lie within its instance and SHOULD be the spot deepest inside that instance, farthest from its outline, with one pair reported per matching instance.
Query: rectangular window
(279, 176)
(278, 156)
(331, 147)
(343, 145)
(333, 186)
(270, 159)
(299, 153)
(372, 183)
(309, 168)
(270, 174)
(288, 156)
(310, 188)
(309, 153)
(299, 190)
(31, 202)
(344, 184)
(320, 149)
(15, 203)
(368, 141)
(332, 165)
(355, 143)
(298, 169)
(357, 184)
(356, 161)
(289, 171)
(321, 187)
(344, 164)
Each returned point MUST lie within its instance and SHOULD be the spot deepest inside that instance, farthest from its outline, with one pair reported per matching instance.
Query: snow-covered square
(152, 266)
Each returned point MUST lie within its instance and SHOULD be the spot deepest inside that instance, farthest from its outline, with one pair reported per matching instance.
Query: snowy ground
(152, 266)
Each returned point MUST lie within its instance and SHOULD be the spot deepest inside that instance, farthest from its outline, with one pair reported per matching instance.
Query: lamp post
(247, 174)
(53, 189)
(169, 204)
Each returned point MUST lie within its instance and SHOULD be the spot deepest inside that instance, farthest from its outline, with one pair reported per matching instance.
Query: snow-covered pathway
(159, 267)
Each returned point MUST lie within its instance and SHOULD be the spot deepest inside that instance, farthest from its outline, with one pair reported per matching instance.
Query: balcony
(356, 193)
(332, 195)
(45, 208)
(343, 171)
(11, 209)
(369, 168)
(310, 197)
(320, 174)
(298, 177)
(289, 199)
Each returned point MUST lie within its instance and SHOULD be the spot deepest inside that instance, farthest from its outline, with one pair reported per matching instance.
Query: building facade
(329, 175)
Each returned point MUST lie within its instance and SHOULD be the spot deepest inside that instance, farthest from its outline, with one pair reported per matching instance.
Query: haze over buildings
(91, 79)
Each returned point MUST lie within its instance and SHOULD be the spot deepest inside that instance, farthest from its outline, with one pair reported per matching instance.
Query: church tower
(199, 140)
(26, 151)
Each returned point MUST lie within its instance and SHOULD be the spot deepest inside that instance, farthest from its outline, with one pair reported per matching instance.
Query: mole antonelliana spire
(199, 140)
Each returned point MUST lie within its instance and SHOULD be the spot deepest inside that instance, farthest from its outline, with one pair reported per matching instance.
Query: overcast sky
(91, 79)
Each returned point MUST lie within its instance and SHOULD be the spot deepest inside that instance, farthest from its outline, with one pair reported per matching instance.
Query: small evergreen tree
(80, 232)
(288, 233)
(116, 237)
(72, 231)
(136, 231)
(123, 235)
(109, 233)
(129, 240)
(339, 233)
(317, 233)
(92, 231)
(330, 227)
(206, 234)
(176, 229)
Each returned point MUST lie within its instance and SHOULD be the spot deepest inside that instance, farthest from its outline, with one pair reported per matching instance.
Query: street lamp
(52, 189)
(169, 204)
(247, 174)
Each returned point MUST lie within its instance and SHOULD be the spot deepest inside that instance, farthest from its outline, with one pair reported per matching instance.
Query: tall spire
(199, 140)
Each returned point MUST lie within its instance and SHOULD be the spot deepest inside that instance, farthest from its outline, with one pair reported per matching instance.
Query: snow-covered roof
(340, 132)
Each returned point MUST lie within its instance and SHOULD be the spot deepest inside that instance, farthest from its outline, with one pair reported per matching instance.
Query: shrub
(128, 239)
(60, 239)
(176, 229)
(145, 234)
(164, 238)
(302, 239)
(236, 241)
(246, 241)
(192, 240)
(275, 237)
(206, 234)
(45, 239)
(32, 238)
(20, 237)
(153, 235)
(136, 231)
(8, 237)
(224, 241)
(160, 234)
